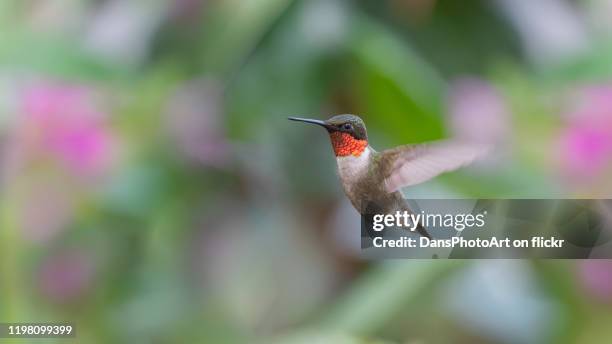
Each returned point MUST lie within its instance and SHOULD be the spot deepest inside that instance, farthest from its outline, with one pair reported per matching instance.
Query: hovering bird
(372, 180)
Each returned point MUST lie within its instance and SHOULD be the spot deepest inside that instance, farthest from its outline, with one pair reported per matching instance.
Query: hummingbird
(372, 180)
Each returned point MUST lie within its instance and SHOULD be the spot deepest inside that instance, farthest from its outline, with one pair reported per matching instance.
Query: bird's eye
(347, 126)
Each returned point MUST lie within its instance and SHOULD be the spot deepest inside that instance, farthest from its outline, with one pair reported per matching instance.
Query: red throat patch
(344, 144)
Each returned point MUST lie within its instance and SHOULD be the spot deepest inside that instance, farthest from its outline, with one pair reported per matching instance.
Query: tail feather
(423, 231)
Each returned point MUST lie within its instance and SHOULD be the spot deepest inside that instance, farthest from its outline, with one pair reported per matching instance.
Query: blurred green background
(152, 190)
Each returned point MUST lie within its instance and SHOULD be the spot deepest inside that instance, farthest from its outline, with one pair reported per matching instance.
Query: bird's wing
(414, 164)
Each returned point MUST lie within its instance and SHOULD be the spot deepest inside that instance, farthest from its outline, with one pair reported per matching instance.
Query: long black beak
(307, 120)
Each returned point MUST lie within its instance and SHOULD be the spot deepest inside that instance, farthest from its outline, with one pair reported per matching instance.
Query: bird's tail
(420, 228)
(423, 231)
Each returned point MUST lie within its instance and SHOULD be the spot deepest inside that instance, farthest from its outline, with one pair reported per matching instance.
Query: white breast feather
(352, 168)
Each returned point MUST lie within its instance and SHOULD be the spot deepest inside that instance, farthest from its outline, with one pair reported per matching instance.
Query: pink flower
(66, 276)
(585, 144)
(475, 105)
(56, 126)
(586, 148)
(596, 278)
(62, 123)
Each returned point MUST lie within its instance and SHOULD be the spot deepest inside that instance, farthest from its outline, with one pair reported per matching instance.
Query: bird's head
(347, 133)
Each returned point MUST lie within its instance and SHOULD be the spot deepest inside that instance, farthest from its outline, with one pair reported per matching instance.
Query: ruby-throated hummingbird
(372, 180)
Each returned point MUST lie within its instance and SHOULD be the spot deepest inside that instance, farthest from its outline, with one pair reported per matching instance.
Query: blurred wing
(416, 164)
